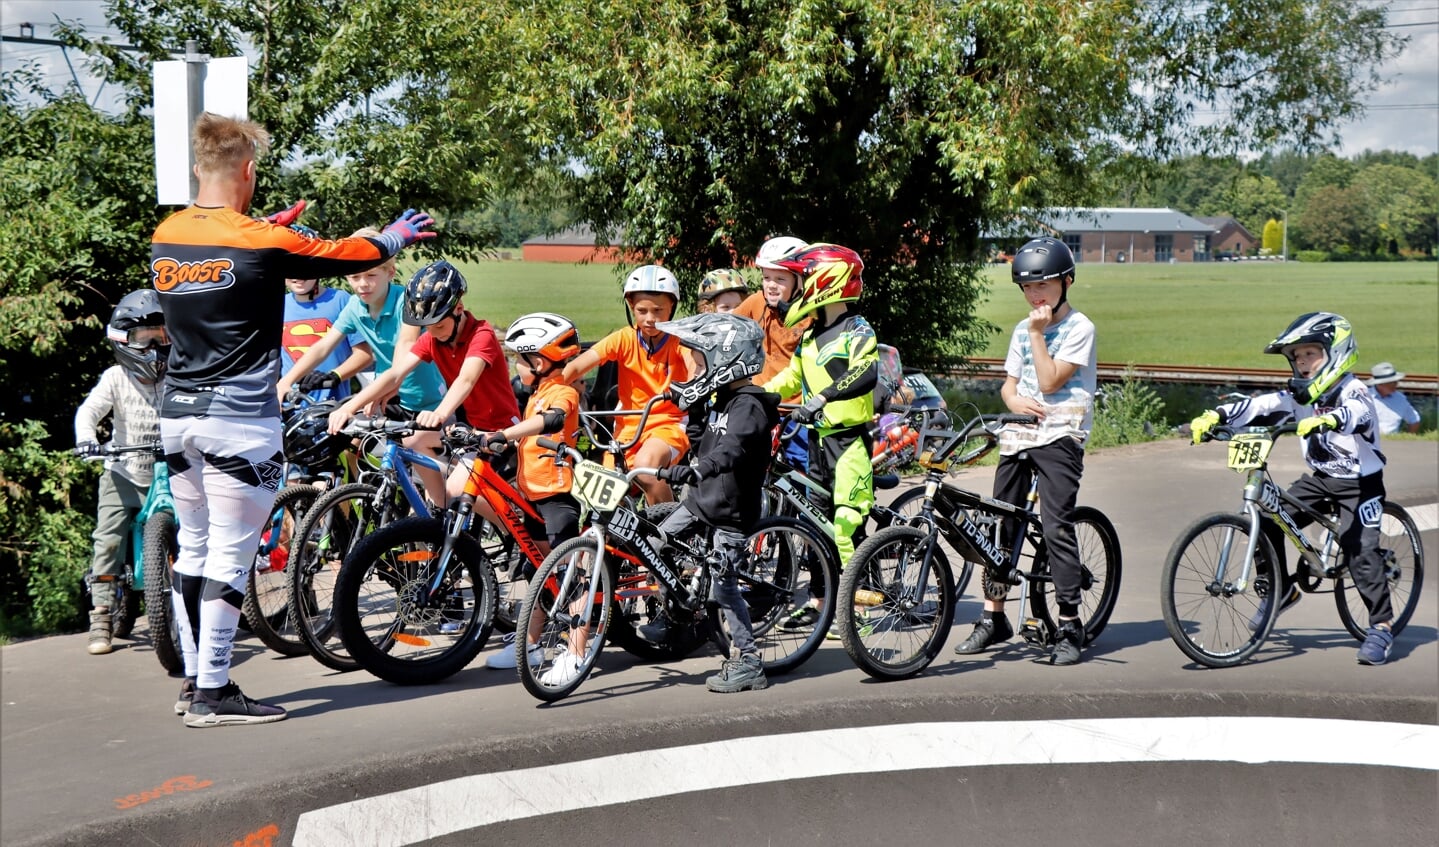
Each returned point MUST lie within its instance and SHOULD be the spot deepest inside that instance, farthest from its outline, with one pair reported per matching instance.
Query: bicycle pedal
(1036, 632)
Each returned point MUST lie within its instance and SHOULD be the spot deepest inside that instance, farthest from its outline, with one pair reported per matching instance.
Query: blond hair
(223, 145)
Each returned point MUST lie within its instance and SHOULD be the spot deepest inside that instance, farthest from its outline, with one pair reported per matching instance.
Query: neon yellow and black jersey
(839, 361)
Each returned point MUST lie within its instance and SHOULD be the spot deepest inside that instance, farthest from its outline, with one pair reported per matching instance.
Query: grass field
(1218, 314)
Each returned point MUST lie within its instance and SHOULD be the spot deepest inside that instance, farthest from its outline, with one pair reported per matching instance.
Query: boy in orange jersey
(648, 361)
(543, 342)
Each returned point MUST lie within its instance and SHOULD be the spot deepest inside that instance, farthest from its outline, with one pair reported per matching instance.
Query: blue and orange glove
(1318, 422)
(411, 227)
(285, 217)
(1203, 424)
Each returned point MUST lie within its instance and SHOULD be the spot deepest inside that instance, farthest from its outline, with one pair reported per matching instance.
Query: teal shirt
(423, 388)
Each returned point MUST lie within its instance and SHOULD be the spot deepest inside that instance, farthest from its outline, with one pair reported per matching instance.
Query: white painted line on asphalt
(418, 814)
(1426, 517)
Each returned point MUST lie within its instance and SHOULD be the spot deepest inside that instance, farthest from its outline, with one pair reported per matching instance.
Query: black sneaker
(743, 674)
(1068, 639)
(987, 633)
(187, 696)
(227, 706)
(805, 617)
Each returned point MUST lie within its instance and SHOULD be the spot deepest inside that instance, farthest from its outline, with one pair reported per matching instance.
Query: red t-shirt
(491, 403)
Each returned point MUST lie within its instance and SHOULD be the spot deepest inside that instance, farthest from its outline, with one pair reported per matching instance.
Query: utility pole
(1284, 251)
(195, 62)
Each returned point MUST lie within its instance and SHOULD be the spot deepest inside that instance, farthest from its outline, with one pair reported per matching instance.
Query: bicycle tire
(267, 592)
(1208, 621)
(511, 584)
(161, 546)
(386, 630)
(907, 505)
(1403, 552)
(564, 622)
(125, 610)
(891, 641)
(1101, 569)
(777, 578)
(332, 527)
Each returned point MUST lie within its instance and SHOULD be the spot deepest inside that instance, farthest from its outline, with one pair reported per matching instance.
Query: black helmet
(434, 291)
(307, 441)
(731, 346)
(1041, 258)
(132, 332)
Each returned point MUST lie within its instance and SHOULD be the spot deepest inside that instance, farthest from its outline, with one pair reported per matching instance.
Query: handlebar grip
(548, 443)
(1011, 418)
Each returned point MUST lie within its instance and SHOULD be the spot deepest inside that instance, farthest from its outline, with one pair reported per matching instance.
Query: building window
(1201, 248)
(1073, 242)
(1163, 247)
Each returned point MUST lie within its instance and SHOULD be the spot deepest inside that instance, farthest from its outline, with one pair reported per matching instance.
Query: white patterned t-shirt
(1068, 410)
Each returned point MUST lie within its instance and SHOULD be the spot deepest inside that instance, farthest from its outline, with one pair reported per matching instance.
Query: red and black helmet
(828, 273)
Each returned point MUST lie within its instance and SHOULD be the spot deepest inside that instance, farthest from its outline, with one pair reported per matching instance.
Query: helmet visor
(140, 337)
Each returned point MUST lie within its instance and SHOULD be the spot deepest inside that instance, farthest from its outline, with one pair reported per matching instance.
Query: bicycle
(153, 547)
(440, 578)
(897, 597)
(577, 588)
(340, 518)
(1225, 566)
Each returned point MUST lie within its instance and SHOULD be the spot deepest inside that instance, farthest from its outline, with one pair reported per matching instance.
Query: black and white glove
(317, 380)
(810, 411)
(88, 450)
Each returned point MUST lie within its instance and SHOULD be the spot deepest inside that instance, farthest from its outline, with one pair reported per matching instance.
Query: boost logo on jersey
(175, 277)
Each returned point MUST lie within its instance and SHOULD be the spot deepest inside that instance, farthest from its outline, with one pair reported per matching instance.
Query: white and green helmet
(1334, 335)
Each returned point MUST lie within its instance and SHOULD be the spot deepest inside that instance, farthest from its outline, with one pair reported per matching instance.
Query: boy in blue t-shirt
(311, 308)
(1049, 373)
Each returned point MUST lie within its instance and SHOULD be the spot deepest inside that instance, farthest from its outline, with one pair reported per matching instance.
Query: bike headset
(433, 294)
(731, 348)
(1334, 336)
(1044, 258)
(147, 359)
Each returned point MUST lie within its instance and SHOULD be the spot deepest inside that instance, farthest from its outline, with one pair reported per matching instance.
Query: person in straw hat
(1390, 405)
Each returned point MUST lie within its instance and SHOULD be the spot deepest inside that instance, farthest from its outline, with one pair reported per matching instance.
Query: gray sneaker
(100, 632)
(987, 633)
(187, 696)
(743, 674)
(229, 706)
(1068, 639)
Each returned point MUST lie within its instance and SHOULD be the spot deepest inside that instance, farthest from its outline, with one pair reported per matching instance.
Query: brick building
(575, 244)
(1131, 235)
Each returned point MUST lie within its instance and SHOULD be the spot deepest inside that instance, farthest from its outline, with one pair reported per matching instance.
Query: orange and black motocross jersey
(221, 279)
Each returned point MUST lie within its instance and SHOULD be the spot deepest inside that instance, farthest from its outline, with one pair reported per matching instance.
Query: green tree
(1251, 199)
(1334, 219)
(1273, 238)
(1404, 203)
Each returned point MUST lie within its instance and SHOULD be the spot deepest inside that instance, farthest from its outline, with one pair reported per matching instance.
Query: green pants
(839, 460)
(120, 502)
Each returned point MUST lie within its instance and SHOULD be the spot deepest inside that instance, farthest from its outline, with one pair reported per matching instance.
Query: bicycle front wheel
(893, 625)
(161, 548)
(408, 615)
(267, 595)
(908, 505)
(1099, 572)
(328, 533)
(565, 618)
(1403, 552)
(786, 567)
(1214, 619)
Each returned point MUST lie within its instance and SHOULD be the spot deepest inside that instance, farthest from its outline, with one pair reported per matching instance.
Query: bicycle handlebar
(613, 446)
(1224, 432)
(111, 451)
(361, 425)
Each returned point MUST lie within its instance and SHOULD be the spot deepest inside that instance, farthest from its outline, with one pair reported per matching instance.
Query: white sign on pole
(224, 92)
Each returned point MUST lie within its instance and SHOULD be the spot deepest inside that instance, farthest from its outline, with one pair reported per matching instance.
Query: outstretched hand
(411, 226)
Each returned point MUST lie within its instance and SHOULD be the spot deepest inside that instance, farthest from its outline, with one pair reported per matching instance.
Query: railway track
(1241, 378)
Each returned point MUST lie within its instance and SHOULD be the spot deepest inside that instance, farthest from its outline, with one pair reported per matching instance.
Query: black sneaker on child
(656, 631)
(987, 633)
(1068, 639)
(187, 696)
(229, 706)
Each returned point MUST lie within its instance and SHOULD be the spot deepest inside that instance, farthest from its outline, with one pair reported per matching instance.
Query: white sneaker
(505, 660)
(563, 671)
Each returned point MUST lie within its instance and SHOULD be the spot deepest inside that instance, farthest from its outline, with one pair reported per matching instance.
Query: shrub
(1131, 412)
(1311, 256)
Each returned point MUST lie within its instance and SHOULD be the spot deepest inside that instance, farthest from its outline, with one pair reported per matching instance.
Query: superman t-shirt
(305, 324)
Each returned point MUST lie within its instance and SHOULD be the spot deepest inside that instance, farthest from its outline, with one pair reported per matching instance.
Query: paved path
(91, 753)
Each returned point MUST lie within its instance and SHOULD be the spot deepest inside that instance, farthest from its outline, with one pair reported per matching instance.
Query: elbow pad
(554, 421)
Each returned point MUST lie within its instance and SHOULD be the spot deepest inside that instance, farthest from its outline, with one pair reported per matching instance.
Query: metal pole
(1284, 251)
(195, 90)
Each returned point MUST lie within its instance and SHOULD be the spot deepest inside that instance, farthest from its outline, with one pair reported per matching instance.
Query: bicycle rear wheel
(786, 566)
(574, 594)
(1099, 575)
(267, 594)
(391, 621)
(1215, 621)
(900, 624)
(1403, 552)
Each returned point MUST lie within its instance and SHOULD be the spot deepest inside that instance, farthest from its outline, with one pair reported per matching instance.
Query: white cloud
(1403, 113)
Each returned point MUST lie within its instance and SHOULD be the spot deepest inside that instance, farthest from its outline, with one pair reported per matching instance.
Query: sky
(1402, 115)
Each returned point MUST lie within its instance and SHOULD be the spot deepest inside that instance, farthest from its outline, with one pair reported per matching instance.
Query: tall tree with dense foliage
(1273, 239)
